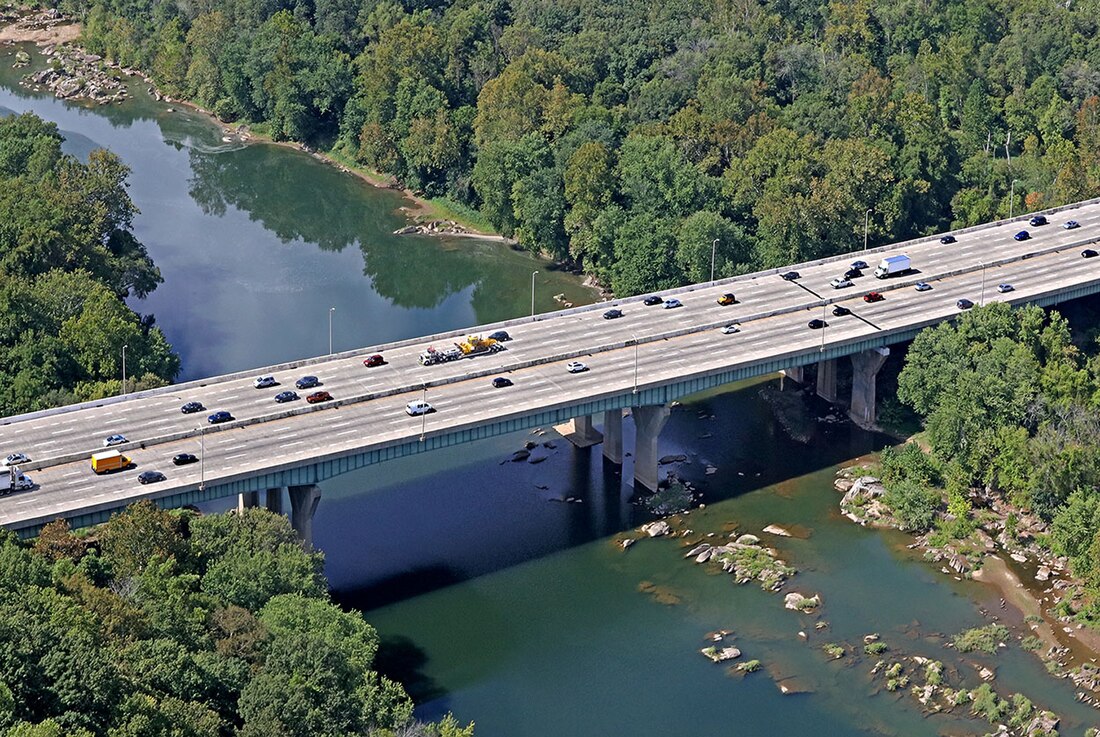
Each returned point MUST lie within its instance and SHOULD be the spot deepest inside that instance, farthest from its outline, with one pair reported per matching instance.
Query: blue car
(219, 417)
(307, 382)
(1023, 235)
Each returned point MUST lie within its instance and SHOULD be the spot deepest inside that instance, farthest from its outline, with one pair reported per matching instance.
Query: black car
(306, 382)
(790, 275)
(853, 274)
(947, 239)
(1023, 235)
(184, 458)
(1038, 220)
(653, 299)
(501, 381)
(219, 417)
(612, 314)
(841, 311)
(1088, 253)
(817, 324)
(286, 397)
(964, 304)
(192, 407)
(501, 335)
(150, 477)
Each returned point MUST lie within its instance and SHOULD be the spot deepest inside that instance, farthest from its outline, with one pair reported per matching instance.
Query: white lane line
(347, 432)
(238, 455)
(234, 447)
(71, 473)
(58, 432)
(296, 442)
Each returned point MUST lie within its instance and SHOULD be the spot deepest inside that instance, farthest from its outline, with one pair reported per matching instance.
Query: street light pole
(533, 274)
(424, 414)
(124, 369)
(1012, 198)
(981, 301)
(713, 249)
(330, 311)
(824, 325)
(866, 215)
(202, 457)
(635, 362)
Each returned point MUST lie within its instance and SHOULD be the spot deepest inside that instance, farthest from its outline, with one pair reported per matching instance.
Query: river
(499, 589)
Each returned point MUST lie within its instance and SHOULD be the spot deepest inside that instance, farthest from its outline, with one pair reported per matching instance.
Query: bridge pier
(826, 380)
(794, 373)
(303, 504)
(274, 500)
(247, 500)
(865, 366)
(648, 423)
(613, 435)
(580, 431)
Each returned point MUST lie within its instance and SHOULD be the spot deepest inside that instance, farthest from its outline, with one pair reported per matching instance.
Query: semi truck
(892, 266)
(474, 345)
(11, 480)
(109, 461)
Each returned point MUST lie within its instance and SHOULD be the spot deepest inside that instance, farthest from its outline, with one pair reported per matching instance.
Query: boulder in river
(657, 529)
(776, 530)
(718, 655)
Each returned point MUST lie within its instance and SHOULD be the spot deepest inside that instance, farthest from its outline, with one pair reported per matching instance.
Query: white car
(922, 287)
(114, 440)
(15, 459)
(1002, 288)
(731, 329)
(418, 407)
(575, 367)
(840, 282)
(1071, 224)
(262, 382)
(672, 302)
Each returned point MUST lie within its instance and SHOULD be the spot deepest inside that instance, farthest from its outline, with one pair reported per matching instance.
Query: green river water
(495, 597)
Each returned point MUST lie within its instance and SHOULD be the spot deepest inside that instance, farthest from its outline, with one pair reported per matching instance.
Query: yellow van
(110, 461)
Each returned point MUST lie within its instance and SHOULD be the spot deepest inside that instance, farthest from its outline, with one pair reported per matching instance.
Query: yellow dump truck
(109, 461)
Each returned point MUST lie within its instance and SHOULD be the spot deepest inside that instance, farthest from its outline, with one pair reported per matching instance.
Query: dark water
(496, 598)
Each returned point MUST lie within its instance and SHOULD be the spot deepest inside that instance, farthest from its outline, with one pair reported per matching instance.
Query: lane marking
(238, 455)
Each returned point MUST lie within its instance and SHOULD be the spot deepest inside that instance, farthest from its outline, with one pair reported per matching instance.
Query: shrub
(987, 704)
(982, 639)
(875, 648)
(833, 650)
(913, 504)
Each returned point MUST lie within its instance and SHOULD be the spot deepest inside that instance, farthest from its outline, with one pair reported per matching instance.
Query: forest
(631, 138)
(70, 260)
(172, 624)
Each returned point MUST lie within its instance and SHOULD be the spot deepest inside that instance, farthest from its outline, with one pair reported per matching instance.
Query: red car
(375, 360)
(321, 396)
(873, 297)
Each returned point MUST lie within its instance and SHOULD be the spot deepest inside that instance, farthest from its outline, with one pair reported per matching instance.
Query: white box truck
(11, 480)
(892, 266)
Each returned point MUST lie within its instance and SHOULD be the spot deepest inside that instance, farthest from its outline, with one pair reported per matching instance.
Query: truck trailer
(892, 266)
(109, 461)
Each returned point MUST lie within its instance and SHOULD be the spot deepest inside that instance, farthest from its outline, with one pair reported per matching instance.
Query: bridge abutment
(648, 423)
(303, 504)
(794, 374)
(826, 379)
(865, 367)
(613, 435)
(247, 500)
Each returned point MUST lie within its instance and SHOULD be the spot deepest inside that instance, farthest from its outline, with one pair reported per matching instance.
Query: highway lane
(344, 429)
(144, 419)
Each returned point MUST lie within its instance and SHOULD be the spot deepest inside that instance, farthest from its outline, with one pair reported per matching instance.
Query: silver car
(114, 440)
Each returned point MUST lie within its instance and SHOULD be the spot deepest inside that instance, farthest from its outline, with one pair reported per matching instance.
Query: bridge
(639, 362)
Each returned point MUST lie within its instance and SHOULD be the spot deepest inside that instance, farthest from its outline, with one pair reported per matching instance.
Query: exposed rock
(656, 529)
(986, 674)
(1044, 722)
(626, 543)
(700, 548)
(1042, 574)
(776, 530)
(718, 655)
(748, 540)
(798, 602)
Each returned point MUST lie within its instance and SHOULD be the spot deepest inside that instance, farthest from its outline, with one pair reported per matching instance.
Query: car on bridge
(840, 283)
(652, 299)
(307, 382)
(321, 396)
(853, 273)
(192, 407)
(790, 275)
(947, 239)
(817, 324)
(1038, 220)
(841, 311)
(114, 440)
(283, 397)
(375, 360)
(219, 417)
(922, 286)
(964, 304)
(732, 328)
(672, 303)
(1002, 288)
(15, 459)
(1023, 235)
(184, 458)
(262, 382)
(858, 265)
(576, 367)
(418, 407)
(150, 477)
(1071, 225)
(872, 297)
(612, 314)
(727, 299)
(1088, 253)
(500, 335)
(501, 381)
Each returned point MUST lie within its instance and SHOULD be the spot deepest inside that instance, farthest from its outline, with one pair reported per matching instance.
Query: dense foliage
(632, 137)
(1009, 402)
(169, 625)
(69, 261)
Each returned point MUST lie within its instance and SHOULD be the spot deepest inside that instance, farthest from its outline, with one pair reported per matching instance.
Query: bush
(914, 505)
(1031, 642)
(833, 650)
(987, 704)
(875, 648)
(909, 463)
(982, 639)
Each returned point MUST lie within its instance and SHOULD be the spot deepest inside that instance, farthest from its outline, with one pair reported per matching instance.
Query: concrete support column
(580, 431)
(247, 500)
(865, 366)
(826, 379)
(274, 500)
(648, 422)
(794, 374)
(303, 503)
(613, 435)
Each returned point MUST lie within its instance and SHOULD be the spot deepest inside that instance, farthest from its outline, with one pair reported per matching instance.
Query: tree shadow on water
(403, 661)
